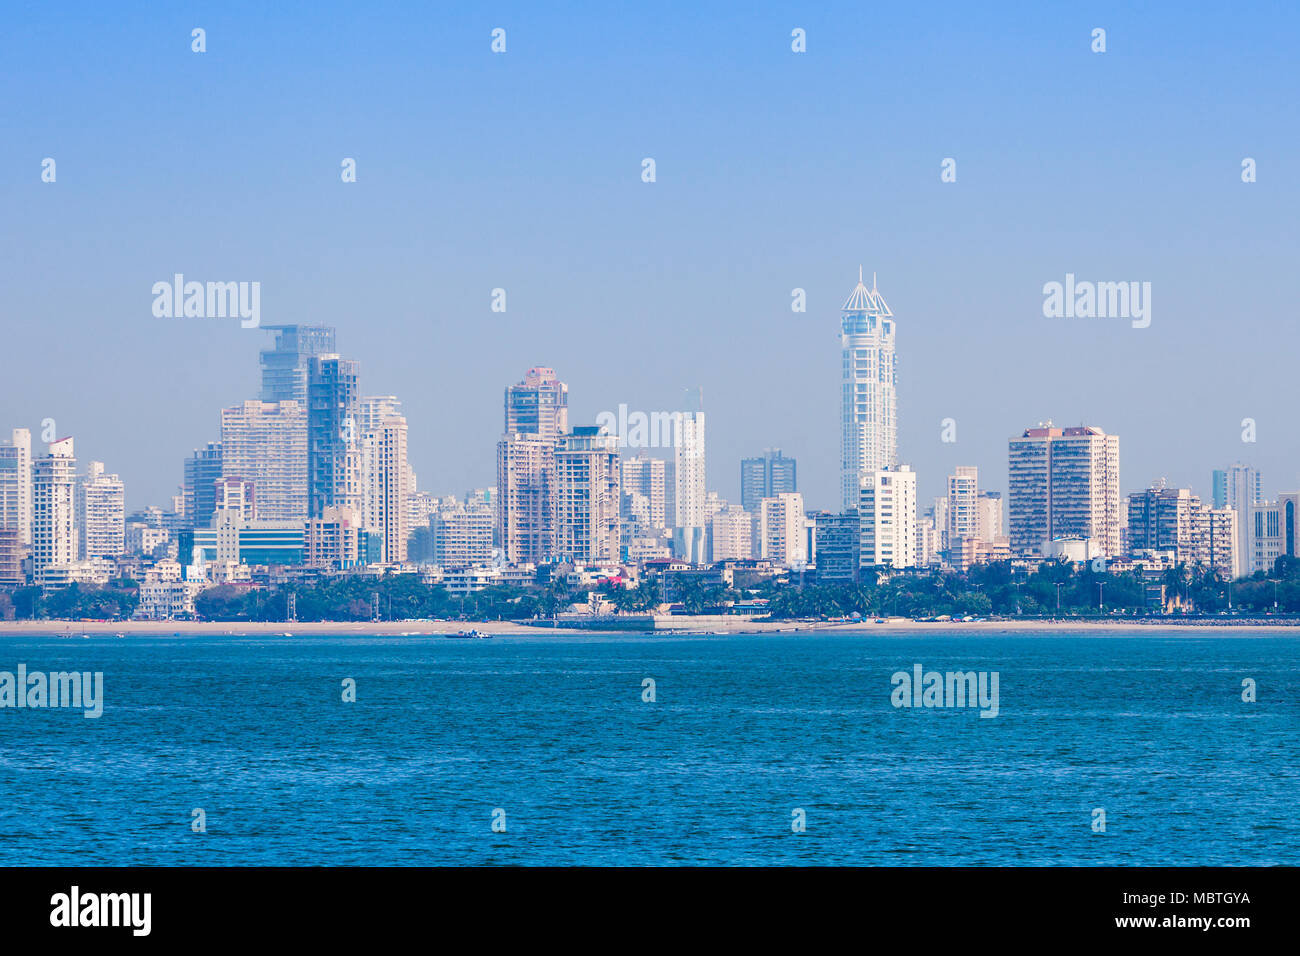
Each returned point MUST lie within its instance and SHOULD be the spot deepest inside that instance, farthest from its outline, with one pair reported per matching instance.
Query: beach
(664, 625)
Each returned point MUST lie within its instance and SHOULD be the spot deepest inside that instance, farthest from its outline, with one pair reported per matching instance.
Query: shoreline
(680, 627)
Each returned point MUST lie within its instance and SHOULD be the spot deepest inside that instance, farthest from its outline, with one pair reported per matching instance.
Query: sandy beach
(683, 626)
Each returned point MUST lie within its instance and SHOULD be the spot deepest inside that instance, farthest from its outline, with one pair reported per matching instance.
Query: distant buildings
(101, 514)
(765, 477)
(887, 517)
(54, 509)
(285, 367)
(645, 491)
(16, 485)
(1064, 482)
(333, 434)
(963, 503)
(837, 539)
(732, 534)
(461, 534)
(539, 405)
(536, 415)
(1174, 519)
(868, 390)
(1240, 488)
(587, 479)
(266, 443)
(198, 488)
(690, 517)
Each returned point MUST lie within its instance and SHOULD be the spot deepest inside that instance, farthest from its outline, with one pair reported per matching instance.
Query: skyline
(526, 176)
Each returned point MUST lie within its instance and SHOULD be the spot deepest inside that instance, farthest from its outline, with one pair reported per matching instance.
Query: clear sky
(775, 170)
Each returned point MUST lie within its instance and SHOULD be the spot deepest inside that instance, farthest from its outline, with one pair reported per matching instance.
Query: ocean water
(553, 732)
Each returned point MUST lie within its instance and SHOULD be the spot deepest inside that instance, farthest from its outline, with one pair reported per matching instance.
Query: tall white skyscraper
(689, 498)
(16, 484)
(54, 508)
(868, 399)
(101, 514)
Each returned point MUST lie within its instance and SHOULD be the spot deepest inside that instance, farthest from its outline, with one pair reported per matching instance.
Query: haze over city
(522, 171)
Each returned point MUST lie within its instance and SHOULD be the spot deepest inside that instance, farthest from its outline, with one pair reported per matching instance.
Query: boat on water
(470, 633)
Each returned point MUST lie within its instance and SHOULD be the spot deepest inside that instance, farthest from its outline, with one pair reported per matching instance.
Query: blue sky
(775, 170)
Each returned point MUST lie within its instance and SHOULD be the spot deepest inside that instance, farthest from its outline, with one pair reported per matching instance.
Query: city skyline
(689, 278)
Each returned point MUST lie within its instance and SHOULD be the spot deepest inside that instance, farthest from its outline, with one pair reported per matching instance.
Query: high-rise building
(689, 497)
(587, 496)
(284, 368)
(887, 517)
(1174, 519)
(1265, 537)
(386, 487)
(526, 498)
(779, 530)
(765, 477)
(16, 485)
(539, 405)
(1064, 483)
(54, 508)
(461, 535)
(333, 435)
(536, 416)
(989, 525)
(963, 502)
(198, 488)
(101, 514)
(837, 539)
(234, 494)
(334, 541)
(646, 476)
(868, 399)
(266, 443)
(1240, 488)
(731, 533)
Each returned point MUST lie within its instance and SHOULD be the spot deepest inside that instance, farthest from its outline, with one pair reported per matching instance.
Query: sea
(640, 750)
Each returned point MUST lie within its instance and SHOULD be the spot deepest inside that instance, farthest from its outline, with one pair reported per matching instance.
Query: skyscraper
(284, 368)
(868, 399)
(526, 498)
(779, 530)
(198, 487)
(691, 517)
(266, 443)
(587, 496)
(536, 416)
(16, 485)
(101, 514)
(963, 503)
(1064, 483)
(539, 405)
(643, 475)
(765, 477)
(386, 487)
(54, 508)
(887, 518)
(1240, 488)
(333, 435)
